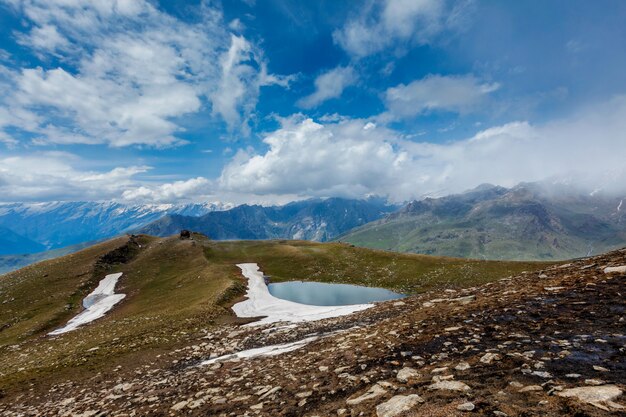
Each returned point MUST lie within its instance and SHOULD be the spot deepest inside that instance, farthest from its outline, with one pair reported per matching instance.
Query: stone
(594, 381)
(531, 388)
(466, 407)
(406, 374)
(304, 394)
(179, 406)
(490, 357)
(398, 405)
(452, 329)
(374, 392)
(449, 386)
(617, 269)
(464, 300)
(462, 366)
(270, 392)
(593, 395)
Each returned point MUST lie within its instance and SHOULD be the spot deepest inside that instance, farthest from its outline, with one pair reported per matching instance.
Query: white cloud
(130, 71)
(437, 92)
(54, 175)
(307, 158)
(353, 158)
(50, 176)
(45, 37)
(380, 25)
(329, 85)
(191, 189)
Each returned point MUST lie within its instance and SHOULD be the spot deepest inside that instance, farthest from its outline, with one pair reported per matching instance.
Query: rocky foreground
(546, 344)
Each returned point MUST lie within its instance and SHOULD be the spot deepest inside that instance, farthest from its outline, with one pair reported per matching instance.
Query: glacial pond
(323, 294)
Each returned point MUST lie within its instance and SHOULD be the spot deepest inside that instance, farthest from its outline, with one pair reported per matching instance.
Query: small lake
(323, 294)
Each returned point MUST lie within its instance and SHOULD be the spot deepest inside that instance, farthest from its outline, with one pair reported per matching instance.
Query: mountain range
(529, 221)
(35, 227)
(315, 219)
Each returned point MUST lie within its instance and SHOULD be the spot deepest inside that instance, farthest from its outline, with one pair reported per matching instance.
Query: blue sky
(270, 101)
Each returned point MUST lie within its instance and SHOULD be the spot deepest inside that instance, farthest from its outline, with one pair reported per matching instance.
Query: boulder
(597, 395)
(407, 374)
(615, 269)
(374, 392)
(449, 386)
(398, 405)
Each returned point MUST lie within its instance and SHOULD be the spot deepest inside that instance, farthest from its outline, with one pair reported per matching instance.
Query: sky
(269, 101)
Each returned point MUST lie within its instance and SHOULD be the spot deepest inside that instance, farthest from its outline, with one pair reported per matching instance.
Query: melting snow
(261, 303)
(96, 304)
(263, 351)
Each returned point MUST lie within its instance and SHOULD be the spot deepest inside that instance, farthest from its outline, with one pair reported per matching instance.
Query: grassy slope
(171, 289)
(340, 262)
(470, 241)
(176, 289)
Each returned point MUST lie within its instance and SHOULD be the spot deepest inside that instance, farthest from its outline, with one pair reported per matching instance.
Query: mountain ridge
(528, 221)
(313, 219)
(60, 224)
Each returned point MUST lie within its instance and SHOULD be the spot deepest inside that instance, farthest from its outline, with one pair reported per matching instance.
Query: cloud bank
(355, 158)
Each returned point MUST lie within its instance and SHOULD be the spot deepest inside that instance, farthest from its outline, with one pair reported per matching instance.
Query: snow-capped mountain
(58, 224)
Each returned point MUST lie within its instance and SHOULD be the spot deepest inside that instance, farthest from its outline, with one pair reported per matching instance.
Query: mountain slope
(476, 332)
(59, 224)
(11, 242)
(317, 220)
(529, 221)
(176, 290)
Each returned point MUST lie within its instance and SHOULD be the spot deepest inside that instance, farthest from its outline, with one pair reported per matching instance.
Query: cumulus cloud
(355, 158)
(130, 71)
(380, 24)
(462, 93)
(329, 85)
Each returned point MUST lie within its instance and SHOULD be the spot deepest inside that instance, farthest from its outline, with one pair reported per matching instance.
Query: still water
(322, 294)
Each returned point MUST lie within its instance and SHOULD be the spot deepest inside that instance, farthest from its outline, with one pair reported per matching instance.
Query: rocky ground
(546, 344)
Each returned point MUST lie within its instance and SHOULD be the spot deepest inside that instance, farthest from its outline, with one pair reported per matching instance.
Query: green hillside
(176, 289)
(523, 223)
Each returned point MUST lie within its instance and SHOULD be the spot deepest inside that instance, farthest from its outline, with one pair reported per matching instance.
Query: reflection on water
(322, 294)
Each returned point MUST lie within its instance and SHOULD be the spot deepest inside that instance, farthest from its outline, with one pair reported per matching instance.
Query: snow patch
(261, 303)
(96, 304)
(271, 350)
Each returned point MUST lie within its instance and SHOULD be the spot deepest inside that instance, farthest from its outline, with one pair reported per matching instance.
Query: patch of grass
(340, 262)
